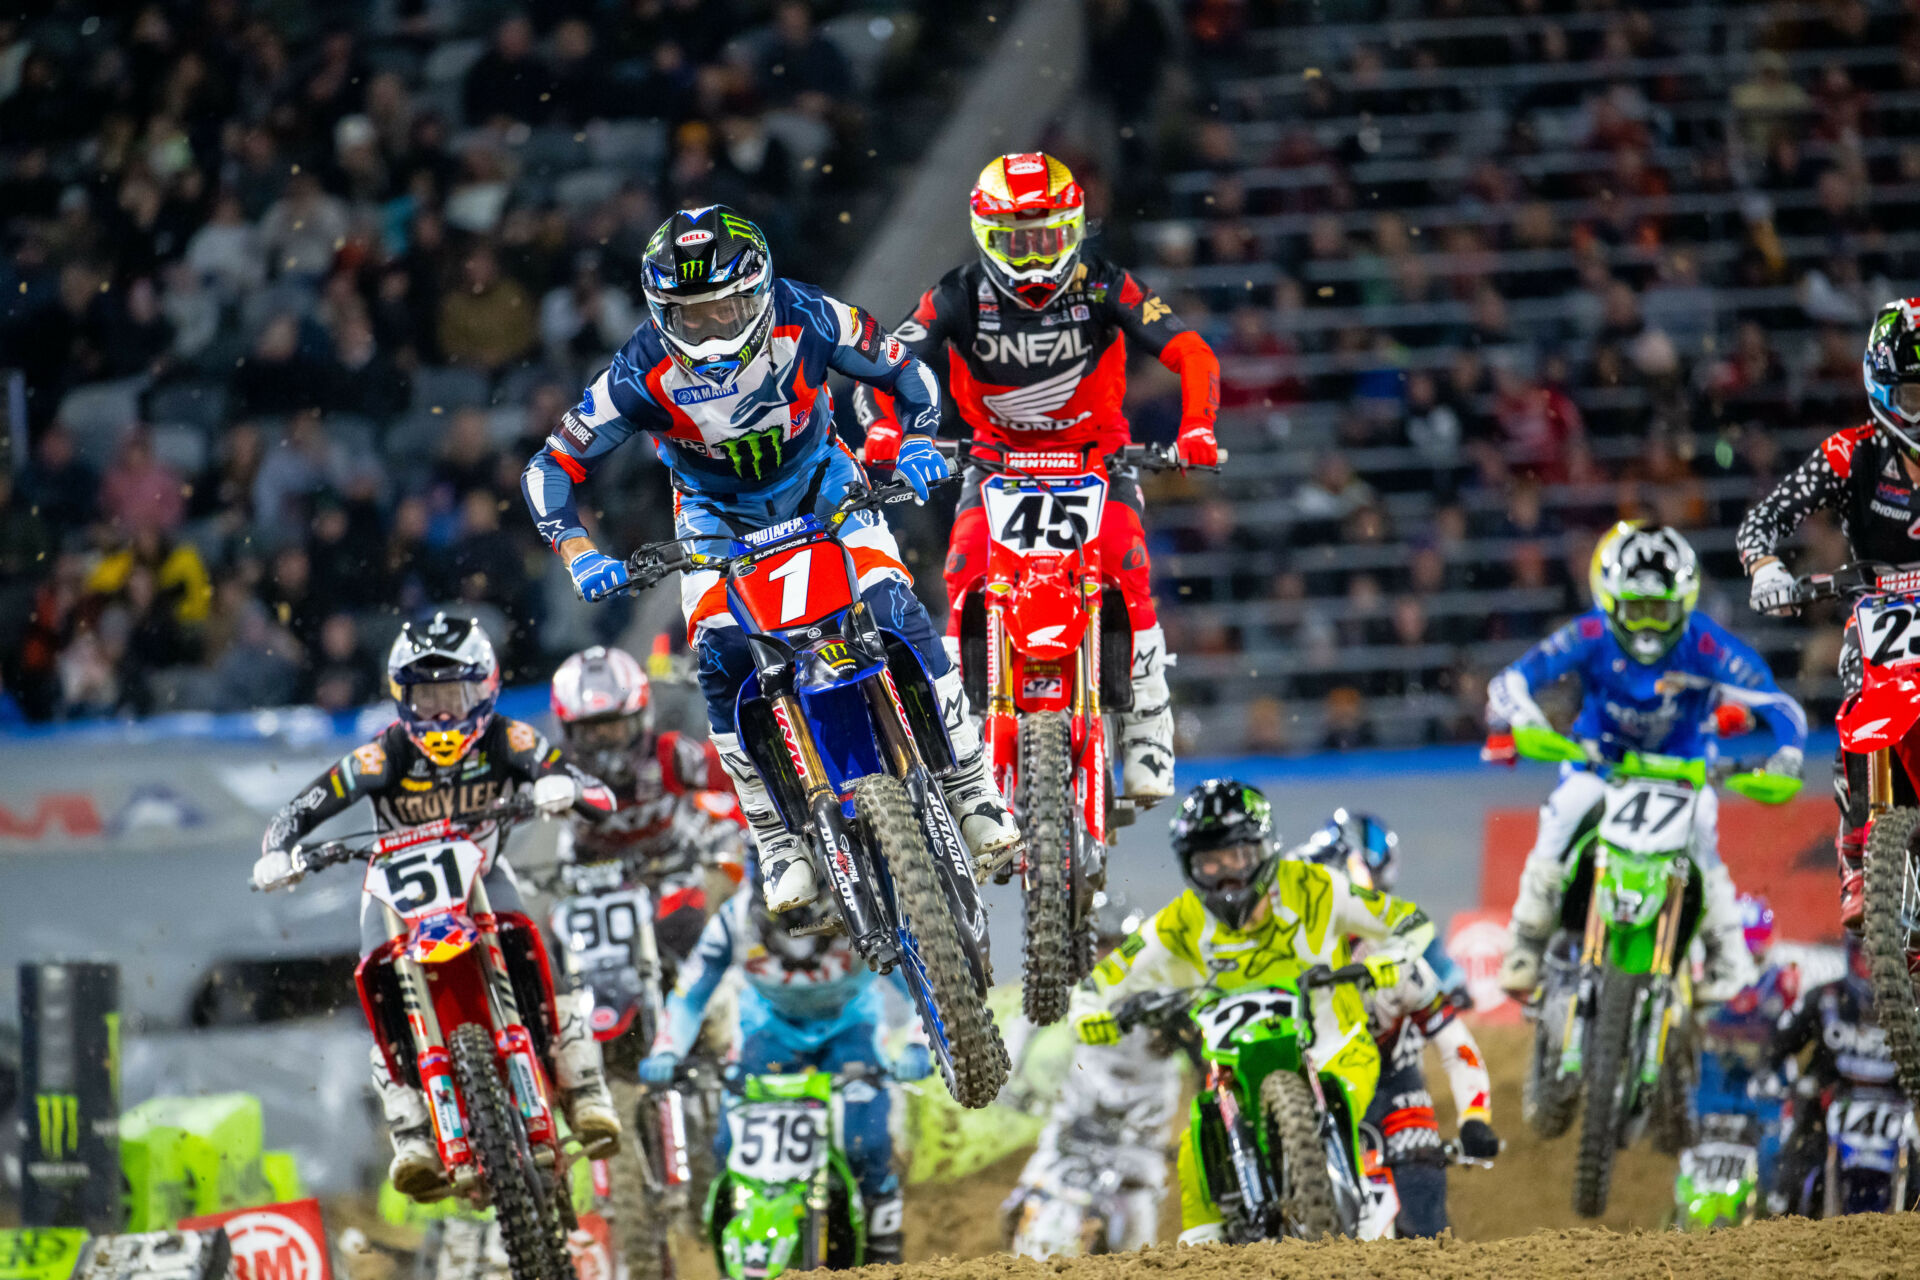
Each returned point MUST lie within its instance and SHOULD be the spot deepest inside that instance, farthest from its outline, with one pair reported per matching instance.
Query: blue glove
(658, 1068)
(913, 1062)
(920, 465)
(596, 575)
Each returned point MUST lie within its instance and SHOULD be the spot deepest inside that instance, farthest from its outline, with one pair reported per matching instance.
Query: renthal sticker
(792, 740)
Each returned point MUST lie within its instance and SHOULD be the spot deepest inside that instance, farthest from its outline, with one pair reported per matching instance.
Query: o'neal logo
(755, 454)
(59, 1117)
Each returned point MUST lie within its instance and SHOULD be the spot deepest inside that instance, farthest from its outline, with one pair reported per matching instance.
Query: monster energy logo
(744, 229)
(693, 267)
(59, 1115)
(746, 451)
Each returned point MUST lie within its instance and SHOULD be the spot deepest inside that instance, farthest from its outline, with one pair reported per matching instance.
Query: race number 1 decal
(793, 590)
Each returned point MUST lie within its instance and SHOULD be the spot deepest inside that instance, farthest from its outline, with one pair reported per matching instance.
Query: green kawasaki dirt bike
(787, 1200)
(1615, 1007)
(1276, 1144)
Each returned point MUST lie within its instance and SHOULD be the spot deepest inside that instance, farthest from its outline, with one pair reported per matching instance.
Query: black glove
(1478, 1141)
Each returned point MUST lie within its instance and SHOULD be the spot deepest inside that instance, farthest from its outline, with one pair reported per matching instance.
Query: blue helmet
(1359, 846)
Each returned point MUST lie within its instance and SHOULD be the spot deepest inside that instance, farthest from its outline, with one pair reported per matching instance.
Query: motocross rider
(728, 374)
(448, 755)
(1735, 1036)
(1865, 475)
(807, 1001)
(1244, 912)
(1651, 671)
(674, 816)
(1422, 1008)
(1849, 1045)
(1039, 333)
(1116, 1105)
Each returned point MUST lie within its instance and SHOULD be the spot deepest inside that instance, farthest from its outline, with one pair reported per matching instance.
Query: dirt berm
(1791, 1249)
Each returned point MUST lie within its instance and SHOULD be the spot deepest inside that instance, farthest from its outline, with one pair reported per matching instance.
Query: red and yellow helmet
(1029, 218)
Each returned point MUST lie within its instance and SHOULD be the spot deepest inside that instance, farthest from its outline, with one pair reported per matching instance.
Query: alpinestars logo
(59, 1116)
(756, 454)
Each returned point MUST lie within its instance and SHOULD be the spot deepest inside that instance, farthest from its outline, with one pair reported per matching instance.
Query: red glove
(1730, 720)
(1500, 750)
(1196, 446)
(883, 443)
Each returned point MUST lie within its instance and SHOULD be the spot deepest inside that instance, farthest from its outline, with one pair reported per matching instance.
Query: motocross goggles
(613, 733)
(1229, 867)
(1649, 613)
(444, 699)
(1029, 244)
(709, 320)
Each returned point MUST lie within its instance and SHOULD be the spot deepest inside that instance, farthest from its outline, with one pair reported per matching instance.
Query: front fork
(1593, 948)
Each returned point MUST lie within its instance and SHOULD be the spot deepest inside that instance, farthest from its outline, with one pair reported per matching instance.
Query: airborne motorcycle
(1615, 1017)
(841, 720)
(1047, 649)
(460, 999)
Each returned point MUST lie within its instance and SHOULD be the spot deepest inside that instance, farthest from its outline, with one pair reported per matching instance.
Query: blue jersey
(800, 1006)
(771, 423)
(1661, 706)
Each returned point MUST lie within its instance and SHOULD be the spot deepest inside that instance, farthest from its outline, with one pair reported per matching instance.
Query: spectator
(60, 485)
(1768, 104)
(802, 68)
(509, 81)
(343, 677)
(488, 321)
(140, 493)
(304, 229)
(226, 251)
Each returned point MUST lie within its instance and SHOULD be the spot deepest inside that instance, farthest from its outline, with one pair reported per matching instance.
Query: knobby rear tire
(1047, 811)
(976, 1063)
(641, 1211)
(1301, 1174)
(529, 1228)
(1889, 852)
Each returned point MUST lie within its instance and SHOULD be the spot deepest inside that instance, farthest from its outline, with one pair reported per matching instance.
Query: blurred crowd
(1484, 277)
(289, 294)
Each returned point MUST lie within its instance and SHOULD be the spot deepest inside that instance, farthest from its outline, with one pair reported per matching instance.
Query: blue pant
(864, 1104)
(725, 660)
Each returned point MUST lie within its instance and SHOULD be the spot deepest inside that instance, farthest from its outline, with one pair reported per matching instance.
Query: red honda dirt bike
(1051, 652)
(460, 999)
(1882, 723)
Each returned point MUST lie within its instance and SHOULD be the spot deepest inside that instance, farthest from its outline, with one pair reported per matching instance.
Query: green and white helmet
(1647, 581)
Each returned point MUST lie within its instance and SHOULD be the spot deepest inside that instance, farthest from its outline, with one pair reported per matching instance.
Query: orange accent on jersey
(1408, 1118)
(683, 425)
(867, 559)
(712, 603)
(569, 464)
(1131, 293)
(1468, 1056)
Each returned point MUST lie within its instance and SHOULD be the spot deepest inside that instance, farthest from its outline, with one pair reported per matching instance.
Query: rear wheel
(966, 1042)
(1609, 1059)
(530, 1227)
(1892, 923)
(1046, 806)
(639, 1202)
(1307, 1204)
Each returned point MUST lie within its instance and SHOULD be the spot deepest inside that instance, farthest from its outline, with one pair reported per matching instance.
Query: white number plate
(1888, 634)
(1033, 521)
(1220, 1020)
(777, 1141)
(1720, 1162)
(426, 879)
(1648, 817)
(1869, 1124)
(599, 928)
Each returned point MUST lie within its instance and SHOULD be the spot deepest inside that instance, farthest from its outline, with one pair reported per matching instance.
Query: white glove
(275, 869)
(1772, 589)
(1786, 762)
(554, 794)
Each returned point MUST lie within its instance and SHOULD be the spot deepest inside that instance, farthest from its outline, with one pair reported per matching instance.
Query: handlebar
(1748, 779)
(990, 456)
(1154, 1009)
(334, 852)
(647, 565)
(1854, 579)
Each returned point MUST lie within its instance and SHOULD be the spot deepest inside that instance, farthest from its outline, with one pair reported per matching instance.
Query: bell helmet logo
(687, 239)
(1027, 164)
(272, 1246)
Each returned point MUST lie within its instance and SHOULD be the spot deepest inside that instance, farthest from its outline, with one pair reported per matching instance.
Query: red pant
(1123, 557)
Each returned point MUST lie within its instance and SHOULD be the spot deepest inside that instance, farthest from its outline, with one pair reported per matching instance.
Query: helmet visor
(444, 699)
(710, 320)
(1649, 614)
(1032, 245)
(615, 733)
(1228, 867)
(1906, 398)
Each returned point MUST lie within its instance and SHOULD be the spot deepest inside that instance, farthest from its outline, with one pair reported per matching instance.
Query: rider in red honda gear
(1040, 330)
(675, 817)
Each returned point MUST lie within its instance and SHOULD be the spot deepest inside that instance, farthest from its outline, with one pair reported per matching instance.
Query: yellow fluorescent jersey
(1313, 914)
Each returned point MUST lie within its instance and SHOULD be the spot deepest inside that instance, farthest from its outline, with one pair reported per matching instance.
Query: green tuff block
(193, 1155)
(42, 1253)
(282, 1173)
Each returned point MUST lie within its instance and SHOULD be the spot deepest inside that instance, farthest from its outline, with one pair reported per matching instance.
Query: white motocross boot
(1146, 732)
(581, 1080)
(1529, 927)
(973, 799)
(1730, 968)
(786, 870)
(416, 1170)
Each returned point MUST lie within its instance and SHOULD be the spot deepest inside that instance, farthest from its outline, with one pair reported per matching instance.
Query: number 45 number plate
(1888, 634)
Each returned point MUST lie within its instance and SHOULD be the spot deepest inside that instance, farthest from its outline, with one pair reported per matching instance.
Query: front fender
(1883, 712)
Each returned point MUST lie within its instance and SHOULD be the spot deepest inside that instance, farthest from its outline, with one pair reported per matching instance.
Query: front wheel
(1892, 919)
(1609, 1061)
(640, 1207)
(966, 1042)
(529, 1227)
(1046, 806)
(1307, 1205)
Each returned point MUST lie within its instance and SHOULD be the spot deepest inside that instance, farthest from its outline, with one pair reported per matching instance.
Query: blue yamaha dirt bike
(841, 720)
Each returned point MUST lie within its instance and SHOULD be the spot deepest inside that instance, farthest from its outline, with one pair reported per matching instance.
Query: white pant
(1579, 791)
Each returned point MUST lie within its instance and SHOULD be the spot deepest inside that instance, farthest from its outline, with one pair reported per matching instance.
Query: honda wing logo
(1032, 408)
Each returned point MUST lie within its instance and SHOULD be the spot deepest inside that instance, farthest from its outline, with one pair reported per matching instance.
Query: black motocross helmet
(1234, 824)
(708, 280)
